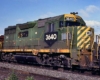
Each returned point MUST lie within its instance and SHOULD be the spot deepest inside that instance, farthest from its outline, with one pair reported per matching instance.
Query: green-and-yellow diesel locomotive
(63, 41)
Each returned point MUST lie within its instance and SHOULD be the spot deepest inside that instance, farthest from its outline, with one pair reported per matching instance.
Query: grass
(14, 77)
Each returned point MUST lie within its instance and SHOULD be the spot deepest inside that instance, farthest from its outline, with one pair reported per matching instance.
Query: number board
(69, 19)
(50, 38)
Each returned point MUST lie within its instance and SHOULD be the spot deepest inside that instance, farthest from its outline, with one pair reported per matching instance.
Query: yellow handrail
(71, 41)
(92, 48)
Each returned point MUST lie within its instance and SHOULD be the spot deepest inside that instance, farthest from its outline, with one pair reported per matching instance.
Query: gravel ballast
(21, 75)
(49, 73)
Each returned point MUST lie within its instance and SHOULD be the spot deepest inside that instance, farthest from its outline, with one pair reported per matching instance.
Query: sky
(13, 12)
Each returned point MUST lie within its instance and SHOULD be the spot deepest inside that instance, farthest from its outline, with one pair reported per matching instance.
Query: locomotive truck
(59, 41)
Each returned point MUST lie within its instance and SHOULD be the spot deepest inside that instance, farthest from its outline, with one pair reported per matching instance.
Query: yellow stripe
(87, 40)
(85, 43)
(63, 50)
(79, 31)
(81, 40)
(82, 45)
(80, 36)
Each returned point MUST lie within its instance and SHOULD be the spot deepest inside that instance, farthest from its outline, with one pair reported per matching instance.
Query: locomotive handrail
(71, 42)
(67, 36)
(92, 51)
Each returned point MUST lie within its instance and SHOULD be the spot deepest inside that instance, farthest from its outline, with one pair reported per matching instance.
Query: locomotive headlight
(89, 33)
(6, 37)
(35, 32)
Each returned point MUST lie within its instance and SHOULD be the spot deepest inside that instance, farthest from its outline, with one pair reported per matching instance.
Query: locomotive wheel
(2, 57)
(11, 58)
(6, 57)
(46, 60)
(82, 71)
(93, 73)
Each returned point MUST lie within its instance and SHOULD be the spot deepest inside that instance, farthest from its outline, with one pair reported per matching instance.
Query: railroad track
(62, 75)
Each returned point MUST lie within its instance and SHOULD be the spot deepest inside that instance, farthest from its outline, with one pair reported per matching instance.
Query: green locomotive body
(31, 34)
(59, 40)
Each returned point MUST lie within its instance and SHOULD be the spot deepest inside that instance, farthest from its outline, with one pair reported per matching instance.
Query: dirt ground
(5, 73)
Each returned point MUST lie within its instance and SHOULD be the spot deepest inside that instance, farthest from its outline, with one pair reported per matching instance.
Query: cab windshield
(70, 23)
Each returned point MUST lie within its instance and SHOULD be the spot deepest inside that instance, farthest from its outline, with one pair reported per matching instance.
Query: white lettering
(55, 36)
(51, 37)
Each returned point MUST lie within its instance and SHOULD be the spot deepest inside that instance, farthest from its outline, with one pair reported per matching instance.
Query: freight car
(60, 41)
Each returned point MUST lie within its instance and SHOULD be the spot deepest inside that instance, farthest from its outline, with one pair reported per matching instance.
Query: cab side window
(23, 34)
(51, 27)
(61, 24)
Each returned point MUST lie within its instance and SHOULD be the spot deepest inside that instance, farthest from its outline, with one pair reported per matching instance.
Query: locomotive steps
(49, 73)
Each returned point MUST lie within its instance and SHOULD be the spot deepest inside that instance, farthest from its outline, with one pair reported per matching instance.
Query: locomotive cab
(78, 37)
(72, 20)
(61, 33)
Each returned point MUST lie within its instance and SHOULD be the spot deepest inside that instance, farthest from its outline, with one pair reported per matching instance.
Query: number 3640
(51, 37)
